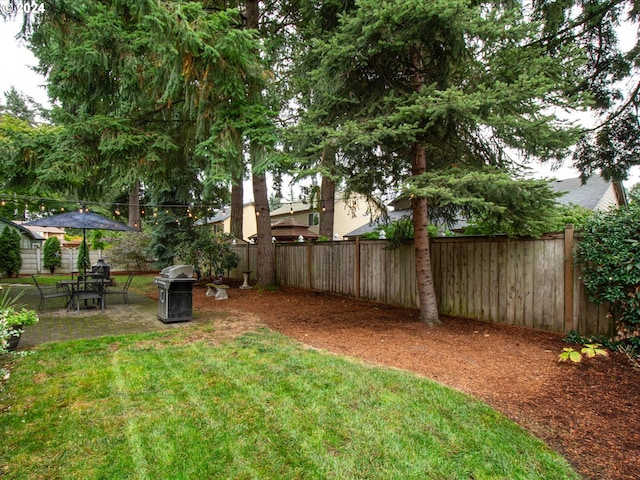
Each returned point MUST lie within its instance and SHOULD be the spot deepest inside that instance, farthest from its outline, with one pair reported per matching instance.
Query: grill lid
(177, 271)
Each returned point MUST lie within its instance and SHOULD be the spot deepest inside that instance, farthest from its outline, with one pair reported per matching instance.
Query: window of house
(314, 219)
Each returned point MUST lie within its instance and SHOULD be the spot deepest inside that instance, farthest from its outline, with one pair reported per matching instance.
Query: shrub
(209, 253)
(10, 256)
(610, 257)
(51, 252)
(129, 249)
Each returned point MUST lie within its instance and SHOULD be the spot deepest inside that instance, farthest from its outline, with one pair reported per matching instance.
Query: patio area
(57, 323)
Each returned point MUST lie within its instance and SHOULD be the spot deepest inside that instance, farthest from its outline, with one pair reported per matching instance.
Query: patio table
(85, 289)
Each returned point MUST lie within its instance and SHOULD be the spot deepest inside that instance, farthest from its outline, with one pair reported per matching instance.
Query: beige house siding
(249, 225)
(609, 199)
(348, 218)
(249, 222)
(345, 218)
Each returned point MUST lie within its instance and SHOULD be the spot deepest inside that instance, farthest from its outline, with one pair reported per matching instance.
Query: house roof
(371, 226)
(294, 207)
(25, 230)
(588, 195)
(289, 229)
(220, 216)
(38, 229)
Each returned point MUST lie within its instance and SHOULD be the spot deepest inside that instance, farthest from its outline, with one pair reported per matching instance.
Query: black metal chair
(124, 291)
(87, 289)
(50, 291)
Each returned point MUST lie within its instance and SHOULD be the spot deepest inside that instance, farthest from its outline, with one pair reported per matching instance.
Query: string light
(43, 203)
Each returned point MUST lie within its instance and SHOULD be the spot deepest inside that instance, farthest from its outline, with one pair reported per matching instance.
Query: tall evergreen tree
(412, 87)
(145, 88)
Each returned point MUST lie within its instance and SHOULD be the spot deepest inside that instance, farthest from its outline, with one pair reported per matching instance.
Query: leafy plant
(569, 353)
(11, 322)
(610, 257)
(7, 300)
(589, 350)
(13, 313)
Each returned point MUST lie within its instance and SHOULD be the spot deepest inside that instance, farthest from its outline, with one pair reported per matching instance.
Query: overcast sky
(16, 61)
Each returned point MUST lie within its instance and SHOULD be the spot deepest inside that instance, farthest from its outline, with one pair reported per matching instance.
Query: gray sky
(16, 61)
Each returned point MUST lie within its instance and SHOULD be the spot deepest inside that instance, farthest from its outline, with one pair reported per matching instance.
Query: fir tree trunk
(237, 210)
(266, 274)
(327, 197)
(422, 247)
(134, 207)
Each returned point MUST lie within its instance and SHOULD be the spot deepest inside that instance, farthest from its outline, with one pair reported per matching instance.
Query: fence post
(568, 277)
(309, 273)
(38, 260)
(357, 267)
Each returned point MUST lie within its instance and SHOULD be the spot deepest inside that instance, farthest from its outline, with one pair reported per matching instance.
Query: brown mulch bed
(588, 412)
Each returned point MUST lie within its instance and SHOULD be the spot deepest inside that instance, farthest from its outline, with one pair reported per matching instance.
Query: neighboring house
(28, 239)
(349, 213)
(221, 221)
(595, 194)
(392, 216)
(45, 232)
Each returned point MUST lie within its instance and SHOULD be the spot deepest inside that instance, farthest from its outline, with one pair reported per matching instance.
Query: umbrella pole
(85, 252)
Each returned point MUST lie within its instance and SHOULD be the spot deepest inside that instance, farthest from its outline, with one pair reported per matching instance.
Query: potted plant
(13, 320)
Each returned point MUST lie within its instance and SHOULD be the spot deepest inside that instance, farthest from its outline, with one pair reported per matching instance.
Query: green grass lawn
(163, 406)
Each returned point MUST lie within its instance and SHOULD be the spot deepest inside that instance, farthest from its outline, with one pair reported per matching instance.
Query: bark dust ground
(588, 412)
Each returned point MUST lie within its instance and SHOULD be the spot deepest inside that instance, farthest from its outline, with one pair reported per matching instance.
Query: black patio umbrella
(83, 219)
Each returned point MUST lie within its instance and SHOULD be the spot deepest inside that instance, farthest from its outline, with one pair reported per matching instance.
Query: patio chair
(87, 289)
(124, 291)
(50, 291)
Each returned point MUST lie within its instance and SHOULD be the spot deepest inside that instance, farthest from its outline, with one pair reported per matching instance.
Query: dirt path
(587, 412)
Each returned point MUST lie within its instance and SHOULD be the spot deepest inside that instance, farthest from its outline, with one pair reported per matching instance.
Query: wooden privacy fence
(527, 282)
